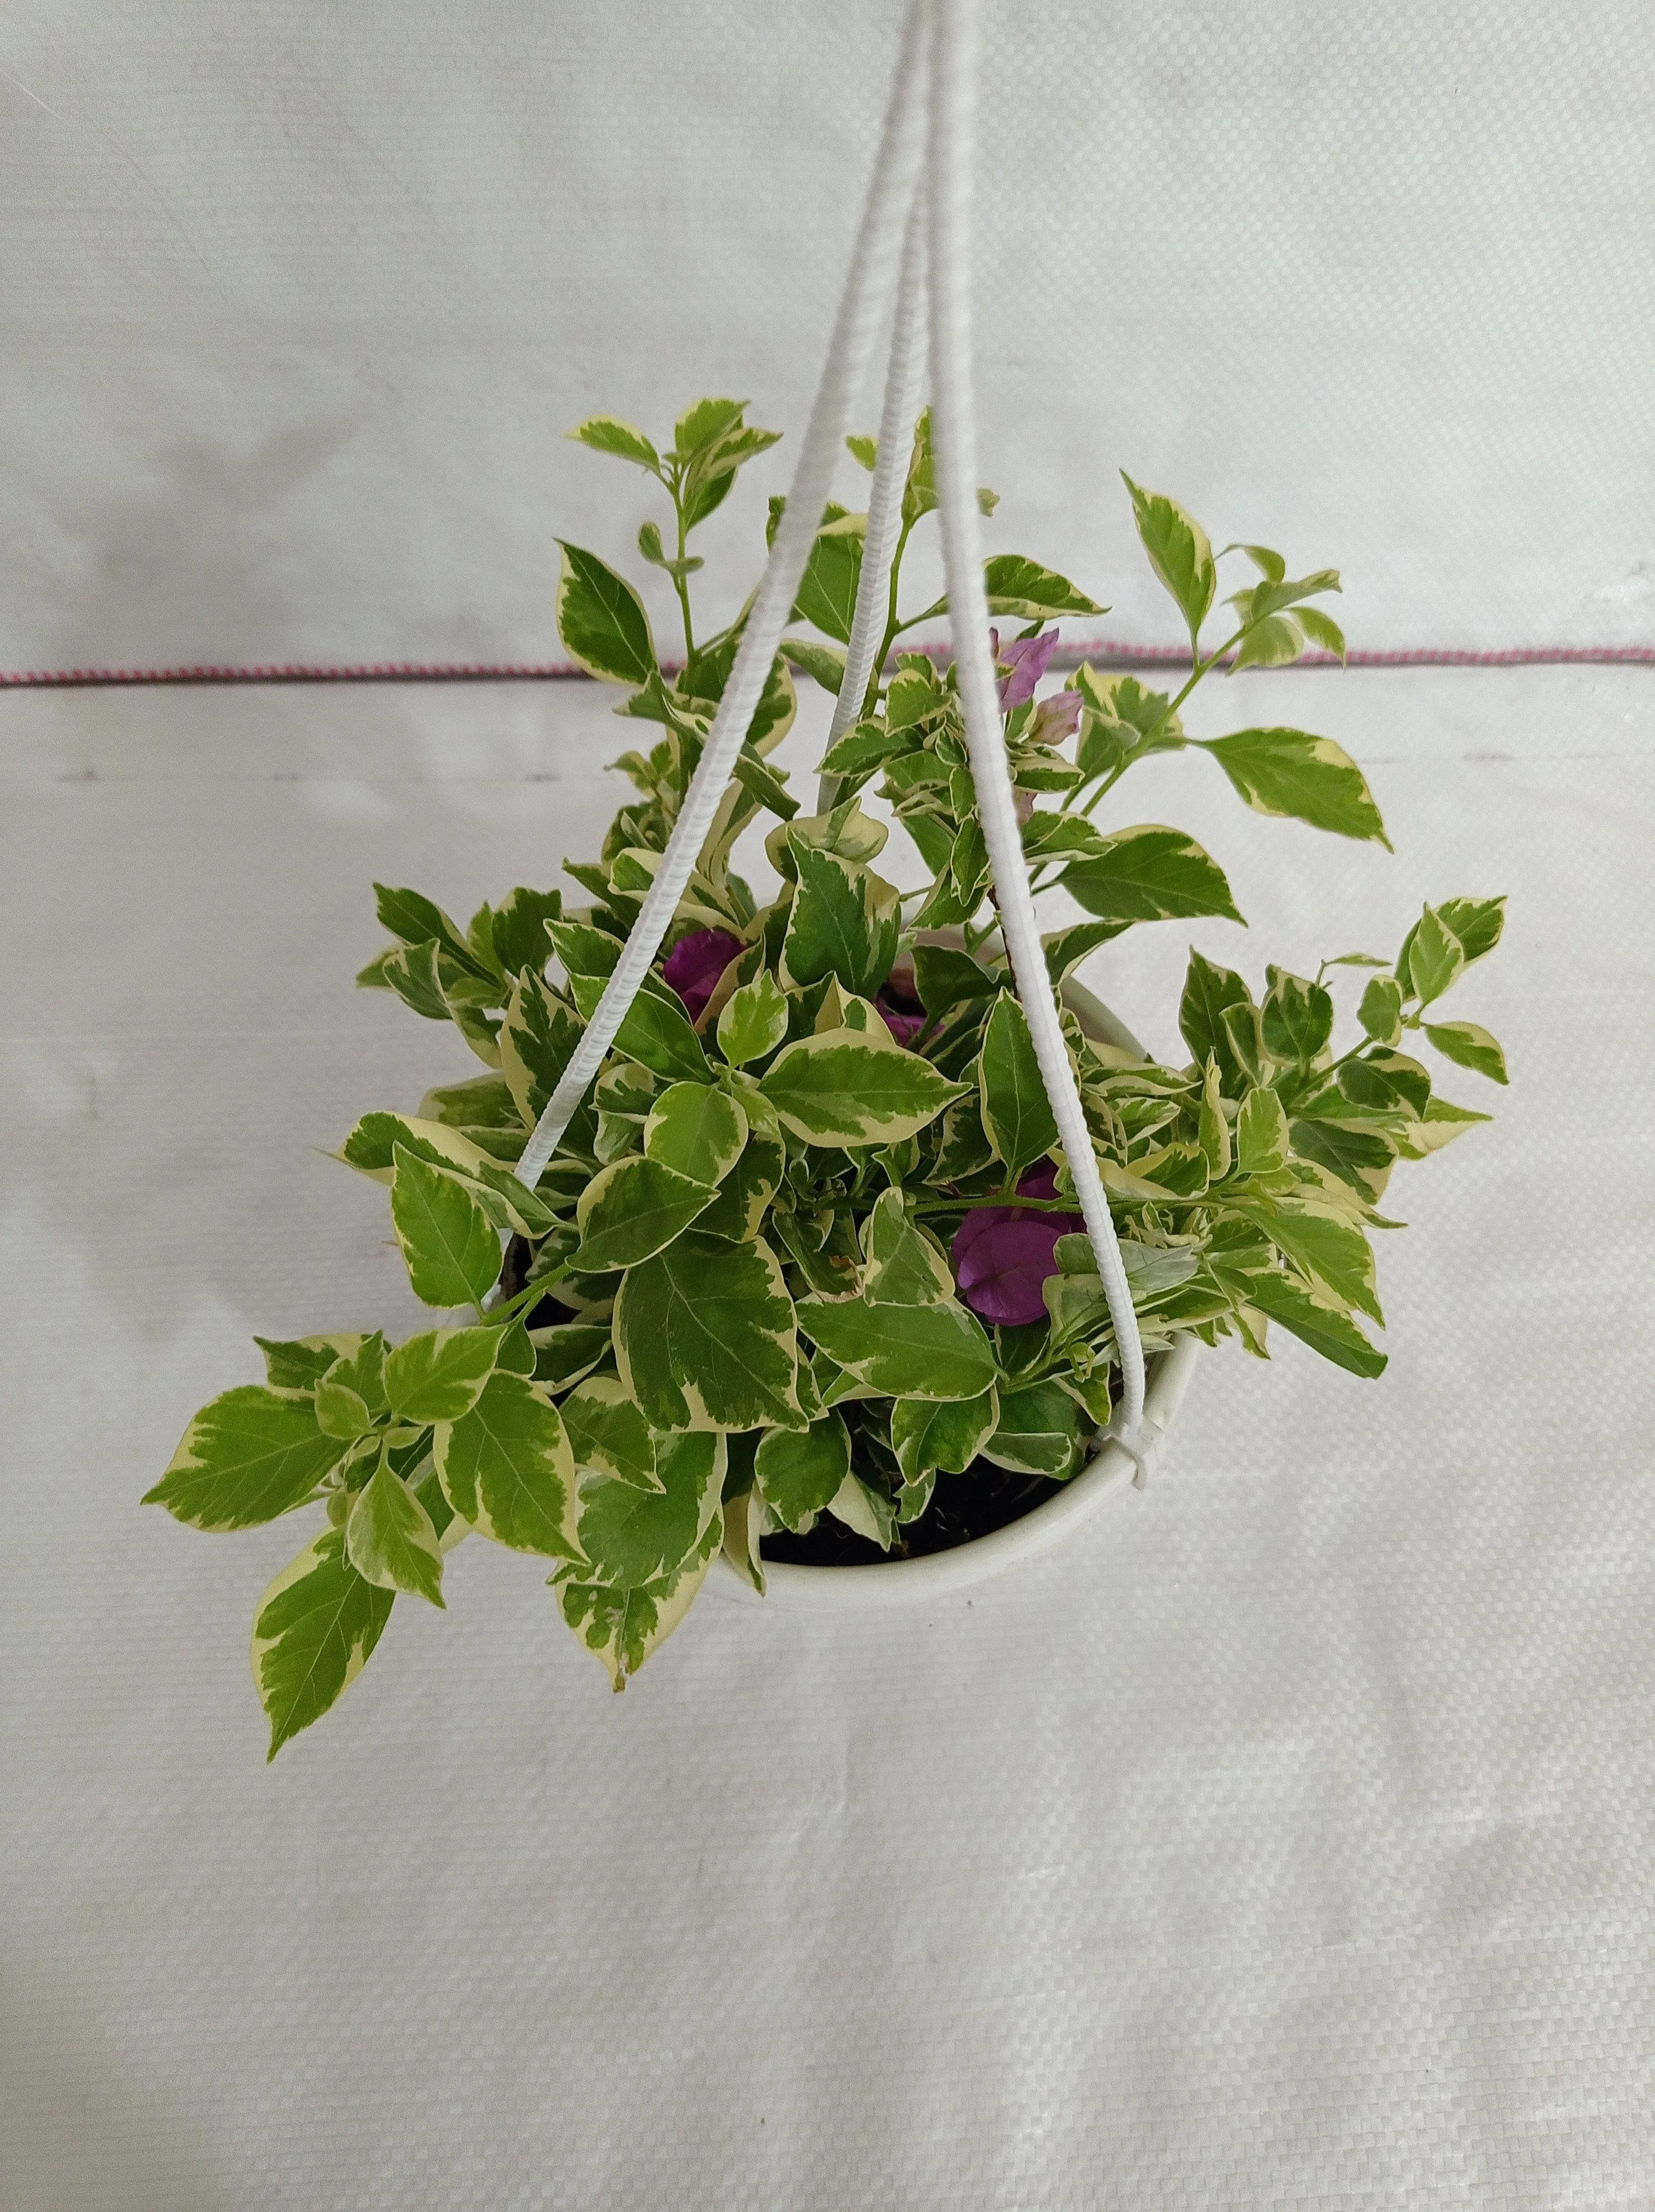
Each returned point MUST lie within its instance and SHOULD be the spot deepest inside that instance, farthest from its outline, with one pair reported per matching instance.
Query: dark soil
(963, 1507)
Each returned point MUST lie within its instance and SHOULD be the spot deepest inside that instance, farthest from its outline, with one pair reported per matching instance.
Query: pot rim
(795, 1588)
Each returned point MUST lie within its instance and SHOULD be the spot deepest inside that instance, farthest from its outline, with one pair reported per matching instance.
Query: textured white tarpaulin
(1284, 1841)
(300, 297)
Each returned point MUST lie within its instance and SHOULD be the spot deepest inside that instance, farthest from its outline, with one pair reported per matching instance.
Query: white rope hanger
(942, 40)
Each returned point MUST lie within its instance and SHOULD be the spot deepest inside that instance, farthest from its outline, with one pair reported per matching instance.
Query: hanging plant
(805, 1270)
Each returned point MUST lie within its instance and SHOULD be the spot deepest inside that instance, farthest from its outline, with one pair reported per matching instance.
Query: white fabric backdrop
(1285, 1840)
(299, 298)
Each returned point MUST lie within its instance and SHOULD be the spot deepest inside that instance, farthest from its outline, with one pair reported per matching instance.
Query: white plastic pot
(895, 1582)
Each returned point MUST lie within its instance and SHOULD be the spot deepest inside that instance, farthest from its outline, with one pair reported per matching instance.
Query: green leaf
(1150, 873)
(583, 950)
(865, 451)
(915, 1350)
(1208, 992)
(765, 783)
(537, 1039)
(1273, 641)
(1263, 558)
(1123, 721)
(341, 1410)
(827, 591)
(1332, 1252)
(1360, 1157)
(1261, 1135)
(1298, 1019)
(1038, 1431)
(251, 1455)
(632, 1210)
(566, 1352)
(418, 921)
(1016, 586)
(1179, 550)
(744, 1196)
(608, 1435)
(1477, 923)
(601, 620)
(659, 1035)
(316, 1626)
(605, 433)
(754, 1020)
(866, 1509)
(301, 1364)
(1333, 1334)
(696, 1130)
(440, 1375)
(1065, 949)
(844, 921)
(414, 972)
(1016, 1111)
(624, 1626)
(1322, 629)
(1435, 956)
(847, 1087)
(704, 1337)
(450, 1245)
(1381, 1010)
(520, 929)
(944, 977)
(928, 1435)
(631, 1536)
(800, 1472)
(1212, 1126)
(1289, 773)
(389, 1538)
(506, 1467)
(903, 1266)
(703, 424)
(825, 663)
(1443, 1122)
(1468, 1045)
(650, 546)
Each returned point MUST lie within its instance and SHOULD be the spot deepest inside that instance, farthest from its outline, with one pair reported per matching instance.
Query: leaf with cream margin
(798, 1472)
(628, 1536)
(704, 1337)
(847, 1088)
(251, 1455)
(314, 1630)
(506, 1467)
(928, 1436)
(624, 1626)
(390, 1540)
(608, 1435)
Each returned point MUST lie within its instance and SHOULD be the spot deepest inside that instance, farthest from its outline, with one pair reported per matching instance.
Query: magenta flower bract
(904, 1017)
(1026, 658)
(1055, 719)
(695, 964)
(1002, 1255)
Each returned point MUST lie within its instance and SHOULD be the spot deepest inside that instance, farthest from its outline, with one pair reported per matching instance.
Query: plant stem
(683, 583)
(892, 627)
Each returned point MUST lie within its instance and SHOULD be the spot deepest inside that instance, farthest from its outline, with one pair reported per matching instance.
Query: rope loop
(930, 114)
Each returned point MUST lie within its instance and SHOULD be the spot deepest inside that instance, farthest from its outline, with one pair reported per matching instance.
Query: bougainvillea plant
(808, 1249)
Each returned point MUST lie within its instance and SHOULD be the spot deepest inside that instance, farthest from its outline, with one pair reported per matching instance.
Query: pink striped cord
(1113, 652)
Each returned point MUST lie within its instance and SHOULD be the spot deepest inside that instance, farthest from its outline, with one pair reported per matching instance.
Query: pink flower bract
(1002, 1255)
(695, 964)
(904, 1017)
(1026, 658)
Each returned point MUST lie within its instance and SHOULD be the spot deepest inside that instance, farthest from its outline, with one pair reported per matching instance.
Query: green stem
(893, 628)
(681, 583)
